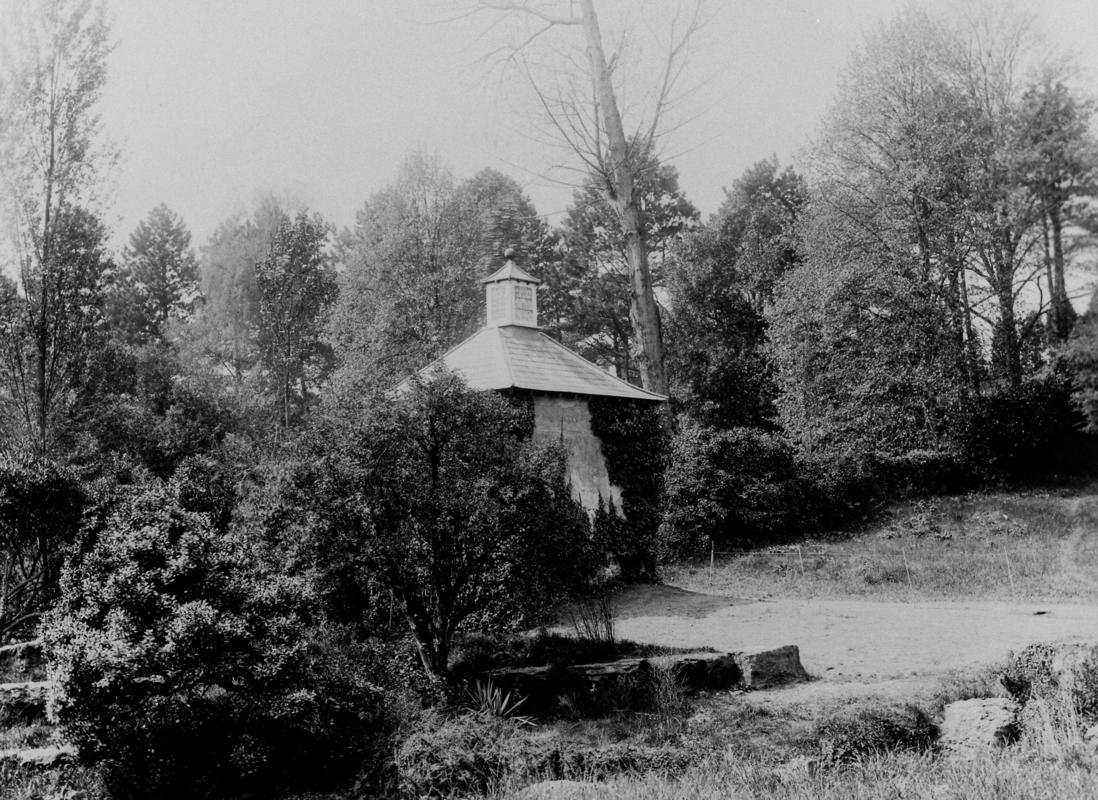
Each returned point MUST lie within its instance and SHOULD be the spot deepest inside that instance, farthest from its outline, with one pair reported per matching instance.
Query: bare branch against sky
(214, 102)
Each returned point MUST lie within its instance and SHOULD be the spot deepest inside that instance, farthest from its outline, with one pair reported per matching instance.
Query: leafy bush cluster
(742, 485)
(1035, 673)
(847, 738)
(442, 503)
(1027, 432)
(183, 670)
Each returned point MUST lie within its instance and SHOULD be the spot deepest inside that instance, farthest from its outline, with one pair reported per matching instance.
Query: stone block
(701, 671)
(24, 701)
(762, 669)
(972, 727)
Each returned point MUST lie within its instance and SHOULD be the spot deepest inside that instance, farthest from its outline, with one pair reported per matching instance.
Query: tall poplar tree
(52, 75)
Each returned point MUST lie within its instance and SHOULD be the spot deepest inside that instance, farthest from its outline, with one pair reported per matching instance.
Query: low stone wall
(628, 683)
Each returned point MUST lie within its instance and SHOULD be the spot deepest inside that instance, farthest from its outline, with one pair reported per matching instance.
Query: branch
(522, 7)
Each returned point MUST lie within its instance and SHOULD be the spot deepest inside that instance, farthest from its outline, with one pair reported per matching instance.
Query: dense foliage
(633, 441)
(41, 506)
(440, 498)
(184, 670)
(730, 489)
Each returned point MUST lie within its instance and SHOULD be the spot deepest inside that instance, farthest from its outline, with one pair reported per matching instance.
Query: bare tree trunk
(619, 186)
(1009, 346)
(971, 349)
(1061, 307)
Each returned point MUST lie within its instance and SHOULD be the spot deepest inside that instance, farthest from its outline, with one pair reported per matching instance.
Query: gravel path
(845, 640)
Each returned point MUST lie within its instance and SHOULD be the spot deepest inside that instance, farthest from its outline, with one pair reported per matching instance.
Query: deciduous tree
(585, 111)
(409, 288)
(720, 285)
(296, 285)
(51, 151)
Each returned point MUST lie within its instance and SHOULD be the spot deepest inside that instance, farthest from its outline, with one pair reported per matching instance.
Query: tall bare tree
(587, 116)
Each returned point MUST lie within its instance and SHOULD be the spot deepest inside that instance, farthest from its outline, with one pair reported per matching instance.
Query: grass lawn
(996, 546)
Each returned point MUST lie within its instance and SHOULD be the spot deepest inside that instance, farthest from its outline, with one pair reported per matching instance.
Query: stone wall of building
(568, 419)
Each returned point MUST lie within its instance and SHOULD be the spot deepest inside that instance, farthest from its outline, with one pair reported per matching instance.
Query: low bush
(1021, 433)
(1040, 672)
(729, 487)
(427, 502)
(474, 754)
(460, 756)
(841, 488)
(867, 732)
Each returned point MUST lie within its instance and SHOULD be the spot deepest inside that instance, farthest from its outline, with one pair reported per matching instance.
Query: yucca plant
(490, 700)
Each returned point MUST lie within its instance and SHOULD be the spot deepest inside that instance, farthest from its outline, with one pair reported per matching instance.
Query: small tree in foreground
(440, 499)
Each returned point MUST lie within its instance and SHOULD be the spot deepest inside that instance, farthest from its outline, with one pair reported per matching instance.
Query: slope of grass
(1036, 545)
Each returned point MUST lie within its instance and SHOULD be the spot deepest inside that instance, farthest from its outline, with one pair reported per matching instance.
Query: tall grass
(592, 619)
(885, 777)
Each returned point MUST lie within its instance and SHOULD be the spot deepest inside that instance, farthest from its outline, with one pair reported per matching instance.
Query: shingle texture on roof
(510, 272)
(518, 357)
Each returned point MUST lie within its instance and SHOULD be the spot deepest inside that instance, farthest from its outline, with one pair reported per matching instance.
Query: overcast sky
(215, 101)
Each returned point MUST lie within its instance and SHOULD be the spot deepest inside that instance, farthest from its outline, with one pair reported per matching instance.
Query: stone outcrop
(972, 727)
(763, 669)
(700, 671)
(620, 684)
(44, 757)
(24, 701)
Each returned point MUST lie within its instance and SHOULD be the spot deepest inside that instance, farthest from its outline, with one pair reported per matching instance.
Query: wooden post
(712, 558)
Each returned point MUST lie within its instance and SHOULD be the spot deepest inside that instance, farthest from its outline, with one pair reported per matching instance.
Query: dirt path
(852, 640)
(870, 646)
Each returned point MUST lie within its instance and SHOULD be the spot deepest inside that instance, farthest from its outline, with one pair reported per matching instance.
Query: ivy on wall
(634, 445)
(522, 400)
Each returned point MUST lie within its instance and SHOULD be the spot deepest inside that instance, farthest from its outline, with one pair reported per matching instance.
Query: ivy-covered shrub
(634, 445)
(730, 487)
(1024, 432)
(184, 671)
